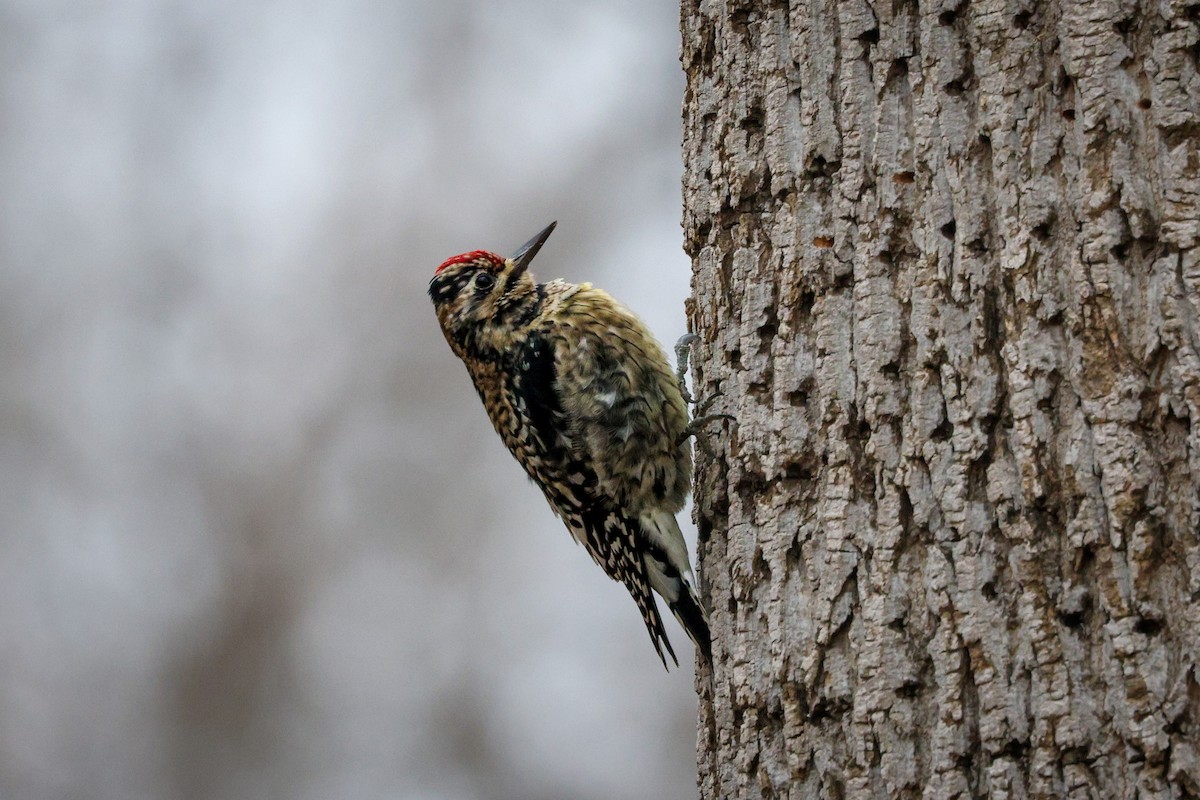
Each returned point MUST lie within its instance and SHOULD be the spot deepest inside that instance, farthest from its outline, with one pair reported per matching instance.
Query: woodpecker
(583, 397)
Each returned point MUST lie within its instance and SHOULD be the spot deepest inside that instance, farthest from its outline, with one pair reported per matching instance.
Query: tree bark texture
(946, 277)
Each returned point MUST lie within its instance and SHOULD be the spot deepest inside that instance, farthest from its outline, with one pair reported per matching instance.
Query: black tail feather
(654, 625)
(691, 616)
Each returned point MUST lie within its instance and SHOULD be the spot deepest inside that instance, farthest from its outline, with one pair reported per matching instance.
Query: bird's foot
(695, 427)
(683, 354)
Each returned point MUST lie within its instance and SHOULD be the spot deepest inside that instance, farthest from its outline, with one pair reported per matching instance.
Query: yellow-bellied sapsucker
(582, 395)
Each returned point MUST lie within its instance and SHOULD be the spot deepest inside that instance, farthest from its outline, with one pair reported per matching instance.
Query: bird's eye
(484, 281)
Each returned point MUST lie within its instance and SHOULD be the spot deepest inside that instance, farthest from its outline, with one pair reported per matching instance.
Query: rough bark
(946, 277)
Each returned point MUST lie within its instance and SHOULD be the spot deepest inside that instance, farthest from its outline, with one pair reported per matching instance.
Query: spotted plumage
(581, 394)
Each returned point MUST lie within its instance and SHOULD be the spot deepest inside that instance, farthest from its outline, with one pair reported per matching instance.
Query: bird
(582, 395)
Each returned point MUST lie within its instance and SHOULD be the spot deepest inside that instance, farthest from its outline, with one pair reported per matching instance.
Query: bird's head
(481, 298)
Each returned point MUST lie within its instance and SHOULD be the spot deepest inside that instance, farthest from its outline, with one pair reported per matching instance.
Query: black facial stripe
(443, 287)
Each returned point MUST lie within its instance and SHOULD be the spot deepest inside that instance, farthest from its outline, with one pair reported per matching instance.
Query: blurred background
(257, 537)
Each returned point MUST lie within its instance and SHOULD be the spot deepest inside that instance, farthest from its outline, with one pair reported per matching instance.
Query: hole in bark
(988, 590)
(795, 471)
(798, 398)
(948, 229)
(1042, 230)
(993, 322)
(807, 298)
(708, 175)
(704, 229)
(740, 20)
(891, 368)
(844, 281)
(1013, 749)
(911, 687)
(1123, 26)
(906, 511)
(948, 16)
(899, 67)
(1068, 113)
(954, 87)
(819, 167)
(1073, 619)
(1021, 20)
(1120, 250)
(704, 528)
(867, 482)
(1075, 607)
(977, 480)
(905, 177)
(762, 570)
(753, 121)
(708, 44)
(1144, 103)
(751, 486)
(870, 37)
(1175, 135)
(942, 432)
(767, 331)
(795, 558)
(1148, 627)
(828, 708)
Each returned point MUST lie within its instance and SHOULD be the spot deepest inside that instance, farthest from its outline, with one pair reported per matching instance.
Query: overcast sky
(257, 537)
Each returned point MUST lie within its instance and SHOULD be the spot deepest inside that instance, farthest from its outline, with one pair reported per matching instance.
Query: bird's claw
(683, 353)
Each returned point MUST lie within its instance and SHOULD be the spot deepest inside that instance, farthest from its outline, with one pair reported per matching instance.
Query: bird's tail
(668, 568)
(694, 619)
(614, 541)
(654, 624)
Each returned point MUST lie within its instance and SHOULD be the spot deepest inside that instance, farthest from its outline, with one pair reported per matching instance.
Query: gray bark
(946, 277)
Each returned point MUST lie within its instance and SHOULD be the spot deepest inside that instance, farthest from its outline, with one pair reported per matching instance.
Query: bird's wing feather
(613, 538)
(625, 414)
(535, 386)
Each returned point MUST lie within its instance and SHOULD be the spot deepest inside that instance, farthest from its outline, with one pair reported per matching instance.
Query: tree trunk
(946, 277)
